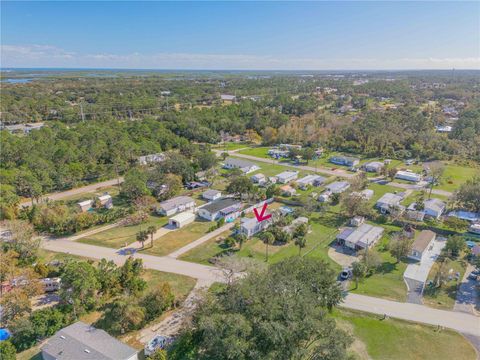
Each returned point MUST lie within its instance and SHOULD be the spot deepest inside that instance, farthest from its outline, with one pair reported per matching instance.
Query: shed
(182, 219)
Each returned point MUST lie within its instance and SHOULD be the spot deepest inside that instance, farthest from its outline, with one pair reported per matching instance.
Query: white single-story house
(251, 226)
(287, 176)
(306, 181)
(361, 237)
(258, 179)
(85, 205)
(227, 208)
(151, 159)
(175, 205)
(337, 187)
(388, 201)
(465, 215)
(325, 196)
(434, 207)
(228, 98)
(51, 284)
(408, 176)
(421, 243)
(373, 166)
(211, 195)
(81, 341)
(367, 194)
(245, 166)
(106, 201)
(287, 190)
(181, 219)
(344, 160)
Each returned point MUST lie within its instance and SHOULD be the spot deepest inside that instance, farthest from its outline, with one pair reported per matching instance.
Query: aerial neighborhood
(178, 184)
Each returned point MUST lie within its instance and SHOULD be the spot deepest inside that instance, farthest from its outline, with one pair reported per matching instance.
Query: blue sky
(241, 35)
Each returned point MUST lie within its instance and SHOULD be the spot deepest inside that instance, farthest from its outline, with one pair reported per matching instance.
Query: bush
(7, 351)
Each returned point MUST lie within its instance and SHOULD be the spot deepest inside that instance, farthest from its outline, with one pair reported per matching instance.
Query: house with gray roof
(306, 181)
(361, 237)
(175, 205)
(287, 176)
(251, 226)
(227, 208)
(389, 202)
(373, 166)
(81, 341)
(344, 160)
(245, 166)
(434, 207)
(337, 187)
(211, 194)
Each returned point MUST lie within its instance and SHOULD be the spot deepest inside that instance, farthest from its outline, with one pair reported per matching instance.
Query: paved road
(201, 240)
(419, 187)
(164, 263)
(467, 296)
(464, 323)
(319, 169)
(415, 291)
(76, 191)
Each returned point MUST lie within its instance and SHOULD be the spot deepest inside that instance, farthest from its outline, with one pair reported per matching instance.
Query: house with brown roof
(421, 244)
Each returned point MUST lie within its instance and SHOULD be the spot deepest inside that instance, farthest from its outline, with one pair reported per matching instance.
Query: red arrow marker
(261, 217)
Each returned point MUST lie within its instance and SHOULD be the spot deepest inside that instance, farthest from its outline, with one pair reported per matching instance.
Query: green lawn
(112, 190)
(456, 175)
(181, 285)
(261, 151)
(118, 236)
(444, 297)
(201, 254)
(394, 339)
(231, 146)
(178, 238)
(387, 282)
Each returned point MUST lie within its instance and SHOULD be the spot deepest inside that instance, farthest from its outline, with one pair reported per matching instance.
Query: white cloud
(51, 56)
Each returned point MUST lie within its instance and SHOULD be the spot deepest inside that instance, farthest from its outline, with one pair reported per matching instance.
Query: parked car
(345, 274)
(472, 276)
(158, 342)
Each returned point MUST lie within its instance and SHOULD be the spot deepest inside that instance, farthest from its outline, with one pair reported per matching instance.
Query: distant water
(17, 81)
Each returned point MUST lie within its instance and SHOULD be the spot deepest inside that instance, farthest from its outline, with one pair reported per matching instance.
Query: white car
(158, 342)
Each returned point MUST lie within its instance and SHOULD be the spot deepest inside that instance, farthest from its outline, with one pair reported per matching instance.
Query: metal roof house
(80, 341)
(251, 226)
(245, 166)
(106, 201)
(228, 208)
(85, 205)
(465, 215)
(211, 194)
(287, 176)
(388, 202)
(315, 180)
(258, 179)
(344, 160)
(421, 243)
(338, 187)
(361, 237)
(408, 176)
(434, 207)
(373, 166)
(176, 205)
(151, 159)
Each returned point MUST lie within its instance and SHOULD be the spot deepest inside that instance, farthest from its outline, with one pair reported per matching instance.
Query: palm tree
(268, 238)
(141, 237)
(151, 230)
(301, 242)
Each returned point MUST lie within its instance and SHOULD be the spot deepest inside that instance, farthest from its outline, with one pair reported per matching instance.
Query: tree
(436, 170)
(300, 231)
(23, 240)
(454, 246)
(391, 173)
(371, 258)
(159, 354)
(304, 289)
(468, 196)
(123, 315)
(130, 276)
(80, 285)
(308, 154)
(268, 239)
(142, 236)
(400, 246)
(157, 301)
(456, 223)
(170, 185)
(134, 185)
(108, 277)
(15, 305)
(355, 204)
(151, 230)
(301, 242)
(359, 271)
(441, 274)
(7, 350)
(240, 186)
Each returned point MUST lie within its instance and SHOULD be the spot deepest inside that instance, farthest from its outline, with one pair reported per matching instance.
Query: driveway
(467, 296)
(342, 256)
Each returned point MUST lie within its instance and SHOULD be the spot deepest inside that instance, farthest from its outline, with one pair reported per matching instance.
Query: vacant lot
(401, 340)
(455, 175)
(118, 236)
(176, 239)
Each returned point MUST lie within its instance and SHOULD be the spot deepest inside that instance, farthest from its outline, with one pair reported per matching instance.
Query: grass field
(231, 146)
(455, 175)
(394, 339)
(444, 297)
(201, 254)
(118, 236)
(178, 238)
(181, 285)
